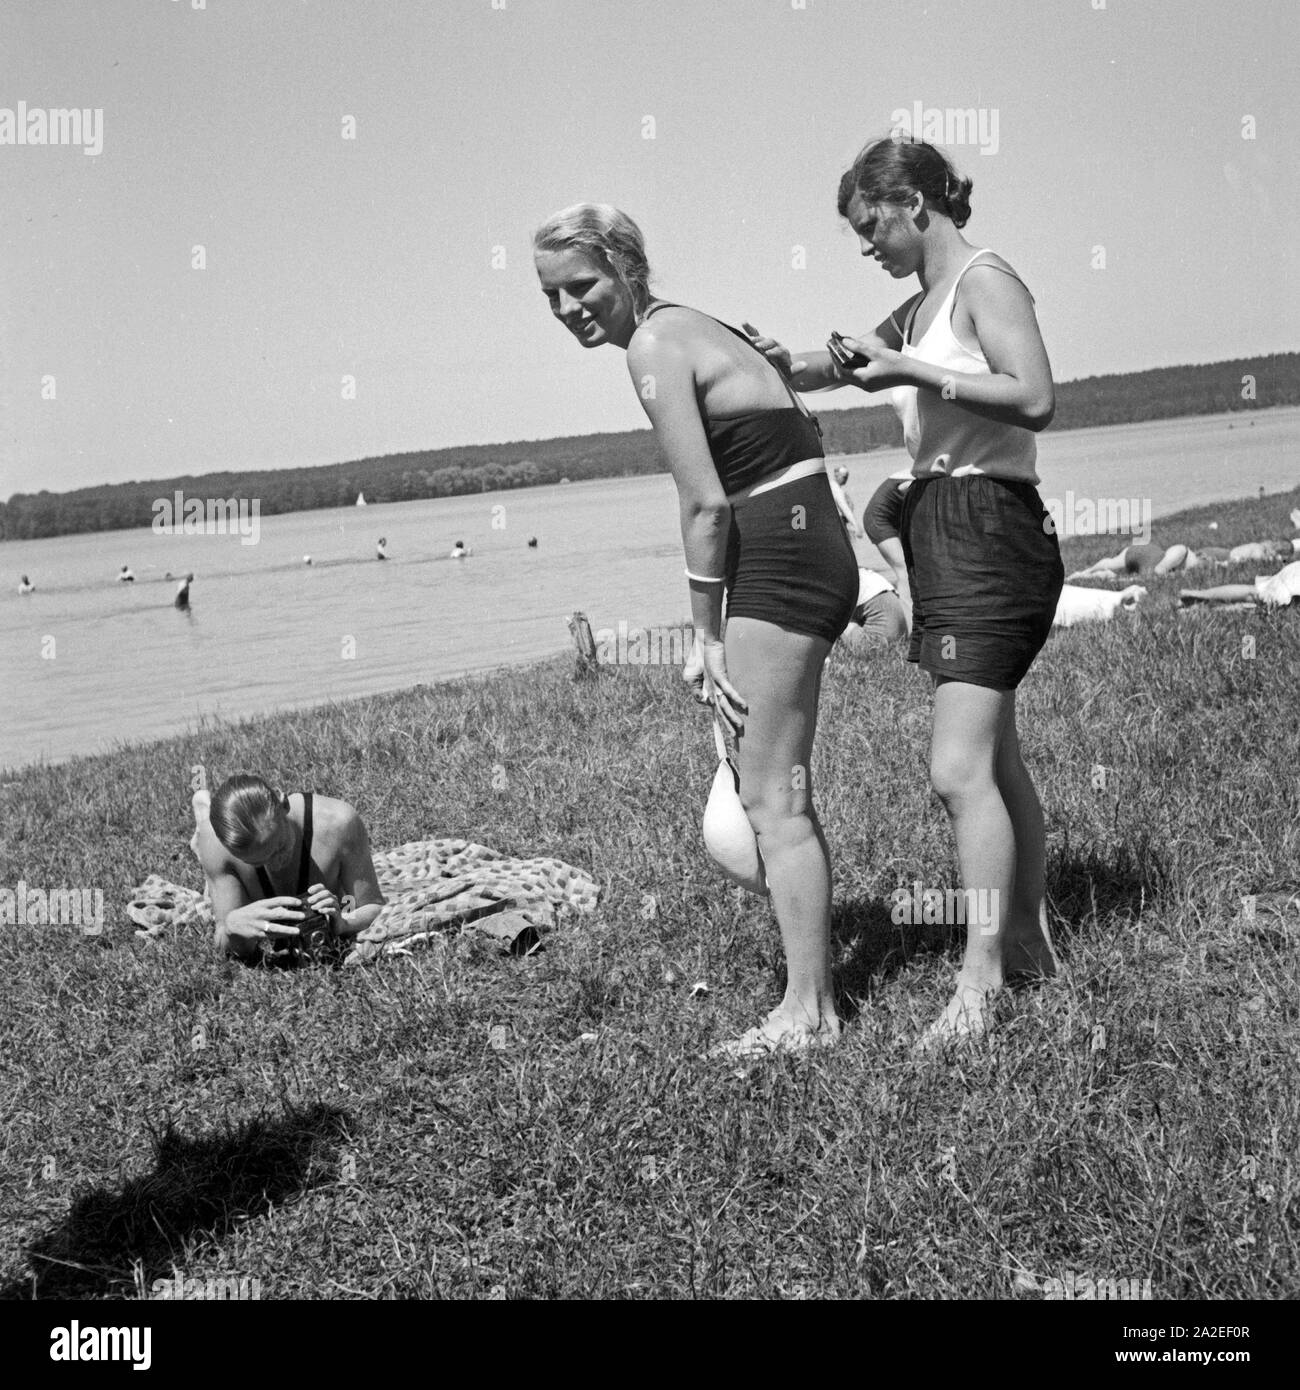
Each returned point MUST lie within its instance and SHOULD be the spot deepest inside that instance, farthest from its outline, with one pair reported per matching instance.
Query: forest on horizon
(1244, 384)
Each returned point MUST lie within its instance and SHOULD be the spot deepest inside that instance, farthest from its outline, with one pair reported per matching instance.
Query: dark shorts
(882, 515)
(882, 619)
(985, 576)
(790, 560)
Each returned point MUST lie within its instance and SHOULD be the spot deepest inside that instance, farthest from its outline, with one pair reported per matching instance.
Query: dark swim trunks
(985, 574)
(790, 561)
(882, 515)
(1143, 557)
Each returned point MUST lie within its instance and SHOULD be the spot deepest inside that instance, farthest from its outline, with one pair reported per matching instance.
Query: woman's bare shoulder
(992, 269)
(987, 256)
(676, 324)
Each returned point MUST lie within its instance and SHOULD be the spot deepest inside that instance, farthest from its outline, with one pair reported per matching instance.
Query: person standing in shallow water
(746, 457)
(969, 375)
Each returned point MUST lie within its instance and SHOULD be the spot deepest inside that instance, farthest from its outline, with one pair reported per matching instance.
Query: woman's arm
(358, 879)
(844, 506)
(663, 372)
(818, 371)
(243, 924)
(1018, 390)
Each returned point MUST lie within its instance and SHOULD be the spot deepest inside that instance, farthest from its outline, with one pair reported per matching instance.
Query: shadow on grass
(872, 947)
(1082, 890)
(111, 1242)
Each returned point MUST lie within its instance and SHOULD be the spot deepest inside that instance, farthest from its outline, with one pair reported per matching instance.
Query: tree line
(1243, 385)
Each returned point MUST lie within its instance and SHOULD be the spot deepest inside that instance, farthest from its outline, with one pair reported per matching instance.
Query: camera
(845, 358)
(313, 942)
(315, 931)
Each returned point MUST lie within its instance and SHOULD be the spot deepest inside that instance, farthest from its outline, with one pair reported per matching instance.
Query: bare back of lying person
(290, 875)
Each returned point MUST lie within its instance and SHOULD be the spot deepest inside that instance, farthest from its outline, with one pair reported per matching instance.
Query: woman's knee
(957, 771)
(779, 815)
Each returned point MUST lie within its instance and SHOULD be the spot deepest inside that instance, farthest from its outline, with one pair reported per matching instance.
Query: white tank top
(941, 435)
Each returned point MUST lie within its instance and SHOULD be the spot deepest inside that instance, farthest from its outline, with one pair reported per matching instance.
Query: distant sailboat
(361, 499)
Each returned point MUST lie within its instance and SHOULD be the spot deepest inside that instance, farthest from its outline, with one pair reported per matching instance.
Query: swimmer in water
(124, 575)
(381, 549)
(459, 550)
(182, 599)
(532, 542)
(25, 586)
(306, 559)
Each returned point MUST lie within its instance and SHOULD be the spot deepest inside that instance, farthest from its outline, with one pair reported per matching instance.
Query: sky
(305, 236)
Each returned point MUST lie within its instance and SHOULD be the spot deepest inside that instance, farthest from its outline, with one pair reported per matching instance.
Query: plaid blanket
(431, 887)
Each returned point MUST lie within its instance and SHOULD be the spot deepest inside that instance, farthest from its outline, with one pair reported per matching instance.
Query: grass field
(366, 1133)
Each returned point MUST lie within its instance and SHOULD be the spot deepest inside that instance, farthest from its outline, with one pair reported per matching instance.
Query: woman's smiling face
(586, 296)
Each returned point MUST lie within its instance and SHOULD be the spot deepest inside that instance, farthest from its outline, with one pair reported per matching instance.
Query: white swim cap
(728, 835)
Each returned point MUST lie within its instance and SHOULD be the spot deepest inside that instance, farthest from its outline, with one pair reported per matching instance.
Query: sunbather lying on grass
(266, 854)
(1272, 590)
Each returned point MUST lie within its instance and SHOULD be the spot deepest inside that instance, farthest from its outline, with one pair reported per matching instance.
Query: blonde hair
(603, 231)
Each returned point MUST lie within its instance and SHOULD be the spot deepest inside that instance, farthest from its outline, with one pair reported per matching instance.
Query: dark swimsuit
(290, 947)
(304, 860)
(884, 513)
(789, 560)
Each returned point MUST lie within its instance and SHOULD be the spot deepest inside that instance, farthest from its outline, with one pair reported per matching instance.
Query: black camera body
(848, 360)
(315, 931)
(313, 942)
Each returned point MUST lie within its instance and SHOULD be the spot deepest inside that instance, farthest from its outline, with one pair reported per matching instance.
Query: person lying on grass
(880, 619)
(1149, 558)
(1272, 590)
(266, 853)
(1146, 557)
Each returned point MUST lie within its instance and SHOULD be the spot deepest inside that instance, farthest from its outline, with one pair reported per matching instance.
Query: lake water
(89, 662)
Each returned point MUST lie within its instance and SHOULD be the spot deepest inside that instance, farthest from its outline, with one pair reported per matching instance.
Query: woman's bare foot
(968, 1016)
(780, 1033)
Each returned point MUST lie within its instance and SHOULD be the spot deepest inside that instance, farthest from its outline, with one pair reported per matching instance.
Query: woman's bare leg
(1102, 569)
(1026, 943)
(779, 674)
(1222, 593)
(969, 723)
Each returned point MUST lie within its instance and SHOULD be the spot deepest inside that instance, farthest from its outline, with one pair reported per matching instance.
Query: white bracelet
(702, 578)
